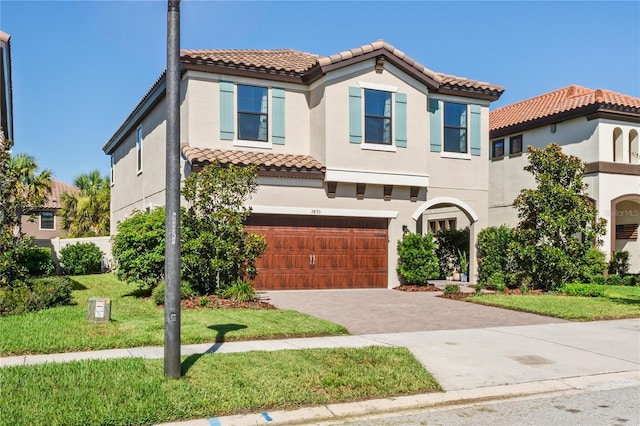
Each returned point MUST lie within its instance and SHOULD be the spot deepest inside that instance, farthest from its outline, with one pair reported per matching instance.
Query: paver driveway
(370, 311)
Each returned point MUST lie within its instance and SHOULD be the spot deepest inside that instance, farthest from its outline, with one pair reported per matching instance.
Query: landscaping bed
(412, 288)
(215, 302)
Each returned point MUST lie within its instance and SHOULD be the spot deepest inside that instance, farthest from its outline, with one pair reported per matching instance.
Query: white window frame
(112, 172)
(139, 157)
(383, 88)
(53, 216)
(249, 143)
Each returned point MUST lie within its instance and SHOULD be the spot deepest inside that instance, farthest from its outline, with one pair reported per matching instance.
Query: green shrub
(38, 261)
(81, 259)
(37, 294)
(451, 289)
(599, 280)
(158, 292)
(449, 244)
(495, 281)
(630, 280)
(614, 280)
(493, 253)
(619, 263)
(240, 291)
(138, 248)
(585, 290)
(417, 262)
(594, 263)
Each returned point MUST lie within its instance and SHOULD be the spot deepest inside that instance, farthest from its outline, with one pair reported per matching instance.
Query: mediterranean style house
(600, 127)
(353, 150)
(43, 223)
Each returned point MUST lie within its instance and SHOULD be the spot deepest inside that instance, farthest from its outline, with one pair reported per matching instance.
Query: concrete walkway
(470, 364)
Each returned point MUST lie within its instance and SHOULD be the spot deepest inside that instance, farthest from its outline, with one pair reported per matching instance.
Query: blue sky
(79, 67)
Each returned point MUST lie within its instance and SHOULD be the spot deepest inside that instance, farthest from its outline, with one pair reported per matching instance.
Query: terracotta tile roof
(54, 198)
(560, 101)
(279, 59)
(302, 62)
(266, 161)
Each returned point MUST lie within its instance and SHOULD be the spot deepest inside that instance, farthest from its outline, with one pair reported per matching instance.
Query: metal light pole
(172, 366)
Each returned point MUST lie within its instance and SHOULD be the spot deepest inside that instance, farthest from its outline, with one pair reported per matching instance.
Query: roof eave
(590, 112)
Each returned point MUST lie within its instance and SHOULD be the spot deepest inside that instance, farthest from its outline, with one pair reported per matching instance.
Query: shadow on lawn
(222, 330)
(139, 293)
(625, 301)
(75, 285)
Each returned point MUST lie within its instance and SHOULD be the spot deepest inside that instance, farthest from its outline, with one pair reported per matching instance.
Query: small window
(377, 117)
(112, 173)
(515, 145)
(627, 232)
(497, 148)
(455, 127)
(139, 150)
(438, 225)
(47, 220)
(252, 113)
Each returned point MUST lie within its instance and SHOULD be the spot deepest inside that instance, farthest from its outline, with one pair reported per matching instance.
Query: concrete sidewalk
(471, 365)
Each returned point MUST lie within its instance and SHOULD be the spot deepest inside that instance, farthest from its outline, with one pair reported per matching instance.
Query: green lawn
(138, 322)
(618, 302)
(134, 391)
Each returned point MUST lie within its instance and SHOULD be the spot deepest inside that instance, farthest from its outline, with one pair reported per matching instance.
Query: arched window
(618, 155)
(634, 147)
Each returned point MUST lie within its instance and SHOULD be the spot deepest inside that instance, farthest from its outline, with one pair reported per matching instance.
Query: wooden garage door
(307, 252)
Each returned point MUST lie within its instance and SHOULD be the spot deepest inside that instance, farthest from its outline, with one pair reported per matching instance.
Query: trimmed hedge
(81, 259)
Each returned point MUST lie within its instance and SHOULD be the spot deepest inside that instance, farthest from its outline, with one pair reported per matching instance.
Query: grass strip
(137, 321)
(619, 302)
(134, 391)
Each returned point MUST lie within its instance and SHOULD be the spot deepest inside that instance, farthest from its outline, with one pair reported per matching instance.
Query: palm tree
(32, 186)
(86, 213)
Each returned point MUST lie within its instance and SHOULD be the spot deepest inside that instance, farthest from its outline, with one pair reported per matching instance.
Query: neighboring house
(599, 126)
(6, 95)
(353, 150)
(44, 223)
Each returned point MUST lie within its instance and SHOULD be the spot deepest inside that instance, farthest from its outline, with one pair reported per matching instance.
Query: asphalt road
(619, 406)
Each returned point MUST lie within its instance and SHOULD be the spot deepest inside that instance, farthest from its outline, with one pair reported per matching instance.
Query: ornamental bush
(138, 248)
(35, 295)
(81, 259)
(619, 263)
(493, 254)
(584, 290)
(449, 244)
(37, 261)
(417, 261)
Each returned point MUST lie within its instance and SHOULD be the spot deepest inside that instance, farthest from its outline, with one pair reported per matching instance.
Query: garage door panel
(307, 252)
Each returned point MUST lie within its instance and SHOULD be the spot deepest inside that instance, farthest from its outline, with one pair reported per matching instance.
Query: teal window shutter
(435, 123)
(476, 129)
(401, 120)
(226, 111)
(277, 119)
(355, 115)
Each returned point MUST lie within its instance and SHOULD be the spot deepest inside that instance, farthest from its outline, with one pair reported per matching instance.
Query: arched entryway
(624, 225)
(444, 213)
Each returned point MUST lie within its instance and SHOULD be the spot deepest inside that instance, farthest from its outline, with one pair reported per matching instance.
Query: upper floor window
(253, 115)
(455, 127)
(515, 145)
(112, 172)
(47, 220)
(139, 150)
(377, 117)
(497, 148)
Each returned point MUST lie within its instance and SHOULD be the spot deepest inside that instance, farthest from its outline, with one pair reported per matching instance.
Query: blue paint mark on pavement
(214, 421)
(267, 417)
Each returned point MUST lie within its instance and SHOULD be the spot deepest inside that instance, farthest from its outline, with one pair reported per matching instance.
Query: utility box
(99, 310)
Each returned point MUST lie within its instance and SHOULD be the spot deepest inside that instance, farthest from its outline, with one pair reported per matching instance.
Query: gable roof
(563, 104)
(269, 164)
(303, 67)
(54, 197)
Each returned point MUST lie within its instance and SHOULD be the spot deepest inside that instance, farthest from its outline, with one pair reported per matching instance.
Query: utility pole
(172, 366)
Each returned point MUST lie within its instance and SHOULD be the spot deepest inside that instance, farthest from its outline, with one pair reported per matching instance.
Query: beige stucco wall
(31, 226)
(316, 124)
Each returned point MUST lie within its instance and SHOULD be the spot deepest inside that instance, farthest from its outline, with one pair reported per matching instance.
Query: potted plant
(464, 266)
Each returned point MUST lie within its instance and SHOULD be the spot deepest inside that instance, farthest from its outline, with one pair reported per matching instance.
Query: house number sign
(316, 211)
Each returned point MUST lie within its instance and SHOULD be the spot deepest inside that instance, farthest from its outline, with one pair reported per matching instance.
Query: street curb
(332, 413)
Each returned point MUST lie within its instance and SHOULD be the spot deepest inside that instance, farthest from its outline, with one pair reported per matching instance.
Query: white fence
(57, 244)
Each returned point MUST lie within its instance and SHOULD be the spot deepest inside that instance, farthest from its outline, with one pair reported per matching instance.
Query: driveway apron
(372, 311)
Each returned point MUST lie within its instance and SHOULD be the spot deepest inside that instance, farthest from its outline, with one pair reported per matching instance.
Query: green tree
(558, 222)
(417, 262)
(216, 250)
(87, 214)
(449, 244)
(22, 186)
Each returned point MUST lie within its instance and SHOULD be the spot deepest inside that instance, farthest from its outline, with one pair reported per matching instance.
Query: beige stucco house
(599, 126)
(352, 149)
(43, 223)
